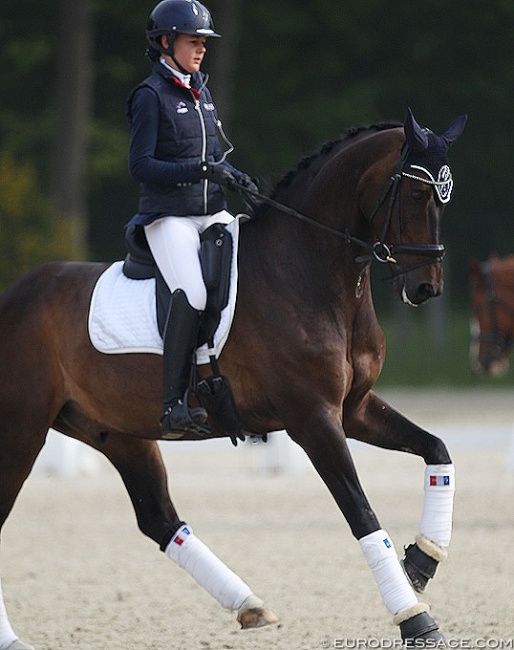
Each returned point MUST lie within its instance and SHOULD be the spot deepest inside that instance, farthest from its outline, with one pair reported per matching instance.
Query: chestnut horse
(303, 354)
(492, 323)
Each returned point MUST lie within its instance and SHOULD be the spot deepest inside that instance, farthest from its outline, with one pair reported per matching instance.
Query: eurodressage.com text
(370, 644)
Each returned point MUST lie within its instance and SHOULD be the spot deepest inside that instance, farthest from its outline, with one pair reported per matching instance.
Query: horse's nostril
(427, 290)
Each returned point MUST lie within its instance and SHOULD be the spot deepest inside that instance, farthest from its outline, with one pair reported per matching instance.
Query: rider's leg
(180, 340)
(175, 244)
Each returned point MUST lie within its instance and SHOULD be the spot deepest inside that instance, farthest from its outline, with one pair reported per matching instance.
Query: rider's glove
(245, 181)
(220, 174)
(252, 201)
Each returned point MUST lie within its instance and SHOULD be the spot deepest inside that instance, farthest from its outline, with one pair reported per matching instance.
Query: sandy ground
(78, 574)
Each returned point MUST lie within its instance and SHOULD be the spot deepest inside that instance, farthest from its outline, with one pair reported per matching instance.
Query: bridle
(380, 251)
(384, 253)
(497, 341)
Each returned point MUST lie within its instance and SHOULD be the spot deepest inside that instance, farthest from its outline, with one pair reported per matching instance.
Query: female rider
(176, 157)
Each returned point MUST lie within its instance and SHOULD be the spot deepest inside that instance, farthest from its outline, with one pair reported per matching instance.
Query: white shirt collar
(183, 78)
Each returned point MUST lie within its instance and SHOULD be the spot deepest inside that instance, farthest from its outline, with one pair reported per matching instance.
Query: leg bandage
(7, 636)
(208, 570)
(381, 557)
(436, 518)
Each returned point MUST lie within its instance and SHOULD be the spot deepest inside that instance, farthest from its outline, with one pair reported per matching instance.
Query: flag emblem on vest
(439, 480)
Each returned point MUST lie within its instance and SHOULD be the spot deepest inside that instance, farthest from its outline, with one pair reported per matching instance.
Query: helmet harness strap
(170, 51)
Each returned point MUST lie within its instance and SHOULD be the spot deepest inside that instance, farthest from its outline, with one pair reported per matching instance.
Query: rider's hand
(245, 181)
(220, 174)
(252, 201)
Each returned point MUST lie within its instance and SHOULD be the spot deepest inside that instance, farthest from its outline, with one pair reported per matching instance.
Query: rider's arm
(143, 166)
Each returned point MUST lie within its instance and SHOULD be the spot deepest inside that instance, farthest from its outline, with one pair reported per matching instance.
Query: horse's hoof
(418, 567)
(256, 617)
(19, 645)
(421, 631)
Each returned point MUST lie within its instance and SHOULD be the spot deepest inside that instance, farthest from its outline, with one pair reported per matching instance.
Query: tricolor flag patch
(181, 536)
(440, 480)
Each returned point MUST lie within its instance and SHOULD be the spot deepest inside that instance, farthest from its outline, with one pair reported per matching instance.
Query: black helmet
(178, 17)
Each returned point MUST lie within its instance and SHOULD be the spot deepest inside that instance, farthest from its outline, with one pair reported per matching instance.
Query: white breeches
(175, 245)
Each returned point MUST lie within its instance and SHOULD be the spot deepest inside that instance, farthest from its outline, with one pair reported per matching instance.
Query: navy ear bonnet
(428, 152)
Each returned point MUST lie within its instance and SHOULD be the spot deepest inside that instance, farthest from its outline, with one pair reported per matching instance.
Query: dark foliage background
(287, 77)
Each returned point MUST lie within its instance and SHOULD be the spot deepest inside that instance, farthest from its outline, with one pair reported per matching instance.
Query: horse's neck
(287, 252)
(283, 255)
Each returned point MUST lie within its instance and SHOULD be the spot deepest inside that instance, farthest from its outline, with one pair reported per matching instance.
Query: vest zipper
(204, 151)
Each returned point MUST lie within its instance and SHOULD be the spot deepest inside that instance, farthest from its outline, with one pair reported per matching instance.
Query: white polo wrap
(207, 569)
(7, 636)
(437, 514)
(381, 557)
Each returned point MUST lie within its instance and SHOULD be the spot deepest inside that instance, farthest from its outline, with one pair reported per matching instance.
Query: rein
(379, 251)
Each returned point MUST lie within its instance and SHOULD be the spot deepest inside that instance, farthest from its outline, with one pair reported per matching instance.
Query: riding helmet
(178, 17)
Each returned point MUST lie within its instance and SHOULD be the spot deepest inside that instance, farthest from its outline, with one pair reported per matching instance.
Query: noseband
(494, 338)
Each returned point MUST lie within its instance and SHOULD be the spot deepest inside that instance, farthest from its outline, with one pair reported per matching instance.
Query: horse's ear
(416, 138)
(455, 130)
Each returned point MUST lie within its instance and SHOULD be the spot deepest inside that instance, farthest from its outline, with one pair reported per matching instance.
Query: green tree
(29, 231)
(74, 79)
(287, 77)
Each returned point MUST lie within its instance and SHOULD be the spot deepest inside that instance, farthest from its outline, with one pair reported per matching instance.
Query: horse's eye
(418, 195)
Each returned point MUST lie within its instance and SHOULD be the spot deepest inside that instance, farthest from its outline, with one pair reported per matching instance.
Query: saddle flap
(139, 263)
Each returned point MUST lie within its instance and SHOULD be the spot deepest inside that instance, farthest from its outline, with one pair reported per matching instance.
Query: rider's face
(189, 51)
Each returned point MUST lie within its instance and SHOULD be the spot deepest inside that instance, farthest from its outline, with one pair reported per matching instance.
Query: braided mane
(350, 134)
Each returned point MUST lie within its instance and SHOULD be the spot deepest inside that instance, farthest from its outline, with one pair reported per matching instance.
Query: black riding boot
(180, 339)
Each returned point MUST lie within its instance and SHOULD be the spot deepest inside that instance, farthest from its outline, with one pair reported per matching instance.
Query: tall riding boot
(180, 339)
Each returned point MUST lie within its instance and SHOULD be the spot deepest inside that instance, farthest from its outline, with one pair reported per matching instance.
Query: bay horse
(492, 322)
(303, 354)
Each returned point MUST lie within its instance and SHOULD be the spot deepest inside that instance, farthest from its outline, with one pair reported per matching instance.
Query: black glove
(245, 181)
(252, 201)
(220, 174)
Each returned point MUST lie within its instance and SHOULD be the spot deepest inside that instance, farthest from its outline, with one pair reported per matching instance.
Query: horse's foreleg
(376, 423)
(328, 450)
(141, 467)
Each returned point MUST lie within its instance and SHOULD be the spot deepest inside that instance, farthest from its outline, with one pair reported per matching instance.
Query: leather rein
(379, 251)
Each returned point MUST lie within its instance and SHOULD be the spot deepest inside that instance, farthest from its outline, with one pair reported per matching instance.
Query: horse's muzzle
(414, 290)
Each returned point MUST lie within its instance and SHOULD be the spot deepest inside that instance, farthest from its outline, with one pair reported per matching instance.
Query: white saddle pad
(123, 314)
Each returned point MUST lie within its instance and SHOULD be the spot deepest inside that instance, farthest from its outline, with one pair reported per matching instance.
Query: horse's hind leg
(18, 451)
(141, 467)
(376, 423)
